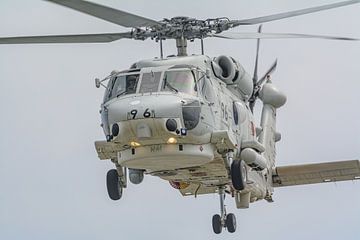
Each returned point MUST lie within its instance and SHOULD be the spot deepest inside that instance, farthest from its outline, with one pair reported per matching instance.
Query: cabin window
(242, 111)
(206, 88)
(123, 85)
(179, 81)
(150, 82)
(235, 113)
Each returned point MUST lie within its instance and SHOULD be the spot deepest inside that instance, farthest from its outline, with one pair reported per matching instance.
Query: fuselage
(174, 118)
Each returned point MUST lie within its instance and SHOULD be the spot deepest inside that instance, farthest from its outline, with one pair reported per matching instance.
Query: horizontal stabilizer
(316, 173)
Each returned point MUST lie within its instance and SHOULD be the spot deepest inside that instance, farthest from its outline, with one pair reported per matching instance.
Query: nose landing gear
(223, 220)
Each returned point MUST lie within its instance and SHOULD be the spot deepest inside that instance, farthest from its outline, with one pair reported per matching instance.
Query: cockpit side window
(179, 81)
(122, 85)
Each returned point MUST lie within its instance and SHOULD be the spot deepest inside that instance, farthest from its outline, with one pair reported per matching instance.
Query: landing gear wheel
(216, 224)
(230, 222)
(113, 184)
(238, 174)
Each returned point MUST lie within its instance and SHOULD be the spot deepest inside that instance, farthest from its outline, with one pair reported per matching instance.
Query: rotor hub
(183, 27)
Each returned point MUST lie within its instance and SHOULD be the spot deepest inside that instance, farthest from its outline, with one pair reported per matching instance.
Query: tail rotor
(259, 83)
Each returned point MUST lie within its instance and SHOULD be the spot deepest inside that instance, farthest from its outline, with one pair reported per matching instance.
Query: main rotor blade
(234, 35)
(82, 38)
(108, 14)
(278, 16)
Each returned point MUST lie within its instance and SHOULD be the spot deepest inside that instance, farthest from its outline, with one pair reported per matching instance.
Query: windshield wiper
(167, 84)
(122, 93)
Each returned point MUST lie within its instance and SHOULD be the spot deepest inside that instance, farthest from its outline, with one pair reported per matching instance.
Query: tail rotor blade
(255, 76)
(260, 84)
(262, 80)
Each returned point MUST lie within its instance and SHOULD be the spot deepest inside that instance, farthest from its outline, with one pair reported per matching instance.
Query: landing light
(172, 140)
(135, 144)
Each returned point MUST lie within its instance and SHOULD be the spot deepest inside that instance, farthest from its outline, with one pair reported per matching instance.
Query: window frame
(191, 70)
(147, 72)
(111, 84)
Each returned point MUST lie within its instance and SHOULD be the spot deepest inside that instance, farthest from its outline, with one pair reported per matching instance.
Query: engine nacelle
(253, 159)
(232, 73)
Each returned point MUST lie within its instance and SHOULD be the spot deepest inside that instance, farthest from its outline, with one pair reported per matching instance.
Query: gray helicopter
(188, 119)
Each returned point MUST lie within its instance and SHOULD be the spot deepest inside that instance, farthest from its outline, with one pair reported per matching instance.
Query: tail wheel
(216, 223)
(238, 174)
(230, 222)
(113, 184)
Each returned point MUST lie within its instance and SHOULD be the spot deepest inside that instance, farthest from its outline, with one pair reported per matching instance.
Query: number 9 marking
(133, 113)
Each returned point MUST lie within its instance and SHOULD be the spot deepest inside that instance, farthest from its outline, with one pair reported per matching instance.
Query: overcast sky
(52, 185)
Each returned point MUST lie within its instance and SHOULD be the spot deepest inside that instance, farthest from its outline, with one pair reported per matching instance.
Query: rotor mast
(181, 44)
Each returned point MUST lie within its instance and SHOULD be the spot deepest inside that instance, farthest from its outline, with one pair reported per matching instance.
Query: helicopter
(188, 119)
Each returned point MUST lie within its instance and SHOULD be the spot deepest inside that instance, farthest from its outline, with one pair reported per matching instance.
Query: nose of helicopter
(151, 131)
(153, 119)
(146, 106)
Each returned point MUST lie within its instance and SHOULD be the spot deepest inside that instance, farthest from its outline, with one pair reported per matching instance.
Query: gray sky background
(52, 183)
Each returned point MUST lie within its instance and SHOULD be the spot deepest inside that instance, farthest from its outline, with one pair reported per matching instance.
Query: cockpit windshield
(123, 85)
(179, 81)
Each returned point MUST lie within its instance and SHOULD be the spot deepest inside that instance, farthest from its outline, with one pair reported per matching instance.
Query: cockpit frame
(158, 74)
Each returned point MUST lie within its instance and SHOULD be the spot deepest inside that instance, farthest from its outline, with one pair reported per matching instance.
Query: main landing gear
(238, 179)
(238, 174)
(223, 220)
(115, 184)
(116, 180)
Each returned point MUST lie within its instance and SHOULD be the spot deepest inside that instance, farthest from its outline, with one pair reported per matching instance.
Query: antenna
(202, 46)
